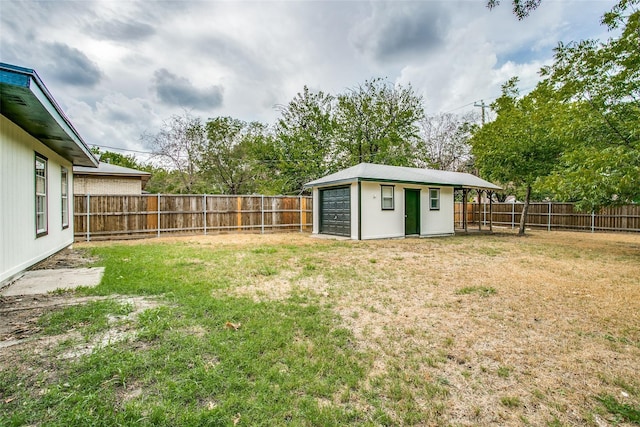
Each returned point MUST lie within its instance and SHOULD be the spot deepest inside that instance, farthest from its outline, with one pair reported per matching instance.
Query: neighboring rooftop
(107, 169)
(384, 173)
(25, 100)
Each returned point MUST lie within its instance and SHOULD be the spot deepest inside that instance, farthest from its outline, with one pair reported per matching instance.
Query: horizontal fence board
(138, 216)
(552, 216)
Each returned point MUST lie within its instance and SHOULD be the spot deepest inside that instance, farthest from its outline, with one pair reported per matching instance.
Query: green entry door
(411, 212)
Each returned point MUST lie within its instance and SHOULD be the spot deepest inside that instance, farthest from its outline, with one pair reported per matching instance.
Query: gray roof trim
(334, 183)
(439, 184)
(27, 102)
(399, 174)
(107, 169)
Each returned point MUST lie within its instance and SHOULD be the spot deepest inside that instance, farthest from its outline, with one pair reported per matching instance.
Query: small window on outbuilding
(41, 195)
(434, 199)
(387, 197)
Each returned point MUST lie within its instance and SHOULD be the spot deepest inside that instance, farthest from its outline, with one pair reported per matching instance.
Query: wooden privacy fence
(552, 216)
(120, 216)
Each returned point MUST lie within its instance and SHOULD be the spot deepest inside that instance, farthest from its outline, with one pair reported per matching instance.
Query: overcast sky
(119, 68)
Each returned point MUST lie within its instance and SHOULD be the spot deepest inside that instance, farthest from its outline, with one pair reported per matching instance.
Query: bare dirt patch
(20, 331)
(19, 314)
(71, 257)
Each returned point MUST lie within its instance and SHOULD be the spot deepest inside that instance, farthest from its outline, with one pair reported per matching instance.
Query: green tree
(164, 181)
(600, 84)
(517, 147)
(304, 146)
(176, 148)
(124, 160)
(377, 122)
(226, 156)
(521, 8)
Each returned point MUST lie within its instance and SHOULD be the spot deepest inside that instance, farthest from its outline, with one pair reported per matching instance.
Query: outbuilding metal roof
(25, 100)
(384, 173)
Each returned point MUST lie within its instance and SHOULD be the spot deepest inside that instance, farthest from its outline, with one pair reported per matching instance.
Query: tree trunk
(525, 211)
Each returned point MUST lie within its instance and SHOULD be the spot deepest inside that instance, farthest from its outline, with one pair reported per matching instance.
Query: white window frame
(434, 196)
(64, 196)
(40, 193)
(388, 198)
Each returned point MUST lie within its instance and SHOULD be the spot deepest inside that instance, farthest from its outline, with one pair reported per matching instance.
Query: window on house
(434, 199)
(64, 196)
(41, 195)
(387, 197)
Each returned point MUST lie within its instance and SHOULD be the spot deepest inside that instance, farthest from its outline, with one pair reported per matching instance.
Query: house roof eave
(27, 102)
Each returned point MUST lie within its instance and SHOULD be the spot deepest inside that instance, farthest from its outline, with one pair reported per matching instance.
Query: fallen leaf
(236, 419)
(234, 326)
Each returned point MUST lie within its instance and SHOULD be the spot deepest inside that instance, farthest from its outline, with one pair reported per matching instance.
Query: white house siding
(438, 222)
(354, 211)
(381, 224)
(102, 185)
(378, 223)
(19, 247)
(315, 195)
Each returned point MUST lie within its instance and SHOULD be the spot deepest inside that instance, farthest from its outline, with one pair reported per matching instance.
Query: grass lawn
(285, 329)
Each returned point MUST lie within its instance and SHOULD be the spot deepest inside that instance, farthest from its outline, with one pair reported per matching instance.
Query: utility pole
(483, 106)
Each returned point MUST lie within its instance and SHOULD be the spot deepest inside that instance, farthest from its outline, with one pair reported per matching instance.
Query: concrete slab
(329, 237)
(43, 281)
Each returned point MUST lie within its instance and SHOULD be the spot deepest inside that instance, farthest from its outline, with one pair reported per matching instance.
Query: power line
(262, 161)
(522, 92)
(122, 149)
(459, 108)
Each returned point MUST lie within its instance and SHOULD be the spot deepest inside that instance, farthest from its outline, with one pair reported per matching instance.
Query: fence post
(593, 221)
(274, 213)
(549, 219)
(158, 215)
(239, 213)
(88, 218)
(262, 214)
(513, 215)
(204, 213)
(301, 214)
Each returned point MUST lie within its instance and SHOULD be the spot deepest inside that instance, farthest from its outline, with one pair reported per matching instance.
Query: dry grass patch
(481, 330)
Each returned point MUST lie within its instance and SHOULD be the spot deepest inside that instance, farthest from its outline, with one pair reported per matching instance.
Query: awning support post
(464, 209)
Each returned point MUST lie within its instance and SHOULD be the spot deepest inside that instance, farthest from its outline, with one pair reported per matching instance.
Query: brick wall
(104, 185)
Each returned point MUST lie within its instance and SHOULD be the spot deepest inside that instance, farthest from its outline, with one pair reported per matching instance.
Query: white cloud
(115, 121)
(263, 53)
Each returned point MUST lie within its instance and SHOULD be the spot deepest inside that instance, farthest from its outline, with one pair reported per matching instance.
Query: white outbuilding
(371, 201)
(38, 149)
